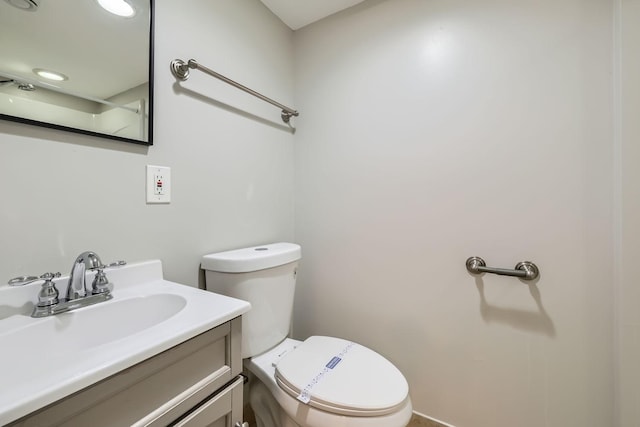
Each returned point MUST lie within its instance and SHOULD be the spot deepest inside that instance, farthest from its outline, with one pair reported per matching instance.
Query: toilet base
(266, 409)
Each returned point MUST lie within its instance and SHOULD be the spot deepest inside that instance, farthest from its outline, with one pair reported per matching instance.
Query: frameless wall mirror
(79, 65)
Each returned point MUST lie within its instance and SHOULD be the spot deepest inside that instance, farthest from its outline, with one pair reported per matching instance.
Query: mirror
(105, 87)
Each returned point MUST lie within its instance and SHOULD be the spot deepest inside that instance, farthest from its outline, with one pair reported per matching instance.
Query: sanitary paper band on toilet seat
(305, 394)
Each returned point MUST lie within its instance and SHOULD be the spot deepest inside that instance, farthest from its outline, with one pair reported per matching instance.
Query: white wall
(628, 292)
(432, 131)
(231, 159)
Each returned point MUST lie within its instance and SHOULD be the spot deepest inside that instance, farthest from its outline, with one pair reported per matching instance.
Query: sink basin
(67, 336)
(46, 359)
(86, 328)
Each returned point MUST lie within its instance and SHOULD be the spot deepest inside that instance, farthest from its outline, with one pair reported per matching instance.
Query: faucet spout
(78, 279)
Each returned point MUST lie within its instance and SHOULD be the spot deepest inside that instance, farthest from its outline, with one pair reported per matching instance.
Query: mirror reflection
(83, 66)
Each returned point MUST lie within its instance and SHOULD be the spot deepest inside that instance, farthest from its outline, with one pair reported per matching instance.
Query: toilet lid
(341, 377)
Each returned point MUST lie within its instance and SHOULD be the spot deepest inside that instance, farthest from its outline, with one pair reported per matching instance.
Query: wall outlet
(158, 184)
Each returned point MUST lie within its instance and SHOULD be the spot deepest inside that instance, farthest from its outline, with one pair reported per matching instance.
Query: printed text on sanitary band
(305, 394)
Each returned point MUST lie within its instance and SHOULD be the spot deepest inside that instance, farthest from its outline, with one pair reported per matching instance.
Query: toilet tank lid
(252, 259)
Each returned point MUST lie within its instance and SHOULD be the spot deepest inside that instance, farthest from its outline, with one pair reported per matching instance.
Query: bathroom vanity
(158, 354)
(195, 382)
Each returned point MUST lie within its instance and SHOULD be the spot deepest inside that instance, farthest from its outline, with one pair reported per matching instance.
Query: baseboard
(421, 420)
(417, 420)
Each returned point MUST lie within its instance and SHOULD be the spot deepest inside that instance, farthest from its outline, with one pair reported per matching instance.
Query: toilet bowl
(282, 408)
(319, 382)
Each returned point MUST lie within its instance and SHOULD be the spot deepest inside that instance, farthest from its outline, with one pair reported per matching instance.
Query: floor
(416, 421)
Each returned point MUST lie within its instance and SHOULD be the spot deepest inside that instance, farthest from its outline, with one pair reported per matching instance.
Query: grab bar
(525, 270)
(180, 70)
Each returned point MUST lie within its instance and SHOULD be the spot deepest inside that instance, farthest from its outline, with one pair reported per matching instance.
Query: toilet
(319, 382)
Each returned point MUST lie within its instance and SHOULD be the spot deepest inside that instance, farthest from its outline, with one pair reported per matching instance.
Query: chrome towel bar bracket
(525, 270)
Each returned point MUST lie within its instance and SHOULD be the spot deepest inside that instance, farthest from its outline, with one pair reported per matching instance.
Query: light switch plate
(158, 184)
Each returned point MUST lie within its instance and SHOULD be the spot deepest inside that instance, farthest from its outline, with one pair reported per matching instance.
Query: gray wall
(231, 159)
(439, 130)
(627, 293)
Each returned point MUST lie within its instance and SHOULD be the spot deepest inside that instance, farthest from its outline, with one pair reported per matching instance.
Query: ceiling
(298, 13)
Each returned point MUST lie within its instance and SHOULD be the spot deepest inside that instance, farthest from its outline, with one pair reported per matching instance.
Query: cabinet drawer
(220, 410)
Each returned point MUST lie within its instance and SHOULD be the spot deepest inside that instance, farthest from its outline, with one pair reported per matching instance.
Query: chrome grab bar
(525, 270)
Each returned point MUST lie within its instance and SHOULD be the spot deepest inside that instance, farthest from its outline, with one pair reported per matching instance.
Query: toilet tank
(266, 277)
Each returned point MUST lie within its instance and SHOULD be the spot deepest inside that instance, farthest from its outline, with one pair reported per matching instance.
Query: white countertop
(43, 360)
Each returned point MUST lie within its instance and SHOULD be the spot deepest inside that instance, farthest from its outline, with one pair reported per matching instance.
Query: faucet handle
(101, 284)
(48, 294)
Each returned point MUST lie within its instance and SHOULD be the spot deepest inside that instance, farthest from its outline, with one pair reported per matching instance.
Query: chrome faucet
(77, 293)
(78, 277)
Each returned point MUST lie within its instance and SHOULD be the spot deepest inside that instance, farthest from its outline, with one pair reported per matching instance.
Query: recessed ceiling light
(28, 5)
(118, 7)
(50, 75)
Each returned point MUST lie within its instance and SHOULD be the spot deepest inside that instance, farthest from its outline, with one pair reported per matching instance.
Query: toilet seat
(341, 377)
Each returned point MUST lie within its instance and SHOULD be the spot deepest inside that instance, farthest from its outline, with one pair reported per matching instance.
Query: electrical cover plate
(158, 184)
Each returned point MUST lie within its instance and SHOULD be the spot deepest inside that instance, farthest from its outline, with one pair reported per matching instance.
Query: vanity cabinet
(193, 384)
